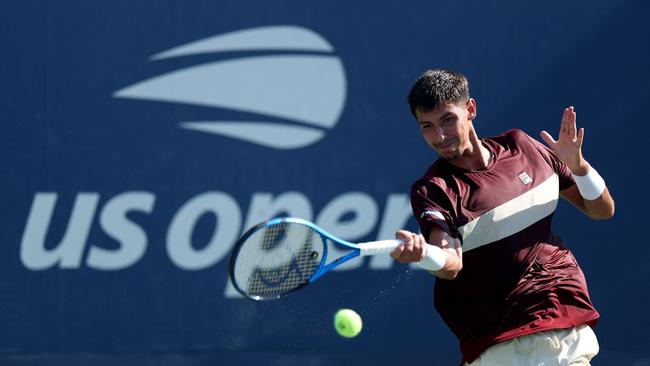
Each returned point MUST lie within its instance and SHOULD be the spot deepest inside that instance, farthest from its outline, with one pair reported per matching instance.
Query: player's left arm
(590, 194)
(599, 209)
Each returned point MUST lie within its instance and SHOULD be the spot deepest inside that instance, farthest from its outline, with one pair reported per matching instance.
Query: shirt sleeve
(561, 169)
(433, 207)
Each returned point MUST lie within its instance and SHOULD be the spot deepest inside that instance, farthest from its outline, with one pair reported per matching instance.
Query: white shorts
(559, 347)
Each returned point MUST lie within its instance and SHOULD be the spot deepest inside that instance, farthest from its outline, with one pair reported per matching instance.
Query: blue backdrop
(138, 140)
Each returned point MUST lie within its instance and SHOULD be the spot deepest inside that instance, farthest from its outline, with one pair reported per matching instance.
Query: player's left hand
(568, 146)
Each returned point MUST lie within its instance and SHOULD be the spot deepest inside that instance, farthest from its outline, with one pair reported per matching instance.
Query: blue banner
(139, 140)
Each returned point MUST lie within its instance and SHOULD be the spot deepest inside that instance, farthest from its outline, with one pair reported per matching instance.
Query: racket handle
(378, 247)
(433, 261)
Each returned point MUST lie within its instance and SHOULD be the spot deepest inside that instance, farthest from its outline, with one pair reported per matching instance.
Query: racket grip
(433, 261)
(378, 247)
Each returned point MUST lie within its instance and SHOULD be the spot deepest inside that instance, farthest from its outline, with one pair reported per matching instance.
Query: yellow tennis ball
(347, 323)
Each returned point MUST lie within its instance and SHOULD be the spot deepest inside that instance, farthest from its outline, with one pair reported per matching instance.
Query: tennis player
(508, 287)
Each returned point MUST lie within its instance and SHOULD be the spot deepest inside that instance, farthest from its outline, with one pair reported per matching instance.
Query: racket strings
(278, 259)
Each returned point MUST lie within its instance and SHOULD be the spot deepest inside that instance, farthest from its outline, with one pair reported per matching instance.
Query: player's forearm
(601, 208)
(597, 202)
(453, 251)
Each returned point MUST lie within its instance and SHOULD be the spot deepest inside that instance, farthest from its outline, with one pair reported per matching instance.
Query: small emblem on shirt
(432, 213)
(525, 179)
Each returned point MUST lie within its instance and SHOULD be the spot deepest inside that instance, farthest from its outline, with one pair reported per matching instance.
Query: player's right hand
(412, 250)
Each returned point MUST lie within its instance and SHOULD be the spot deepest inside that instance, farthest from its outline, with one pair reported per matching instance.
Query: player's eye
(448, 121)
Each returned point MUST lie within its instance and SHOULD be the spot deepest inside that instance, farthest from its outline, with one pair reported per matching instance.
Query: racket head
(277, 257)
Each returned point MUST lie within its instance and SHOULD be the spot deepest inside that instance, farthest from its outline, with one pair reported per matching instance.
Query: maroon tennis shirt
(518, 277)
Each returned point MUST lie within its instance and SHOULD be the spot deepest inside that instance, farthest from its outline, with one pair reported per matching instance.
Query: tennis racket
(285, 254)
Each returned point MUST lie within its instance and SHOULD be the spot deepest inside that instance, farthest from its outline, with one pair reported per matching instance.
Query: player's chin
(449, 155)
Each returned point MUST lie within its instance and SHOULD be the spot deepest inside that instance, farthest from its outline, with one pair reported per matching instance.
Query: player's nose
(437, 136)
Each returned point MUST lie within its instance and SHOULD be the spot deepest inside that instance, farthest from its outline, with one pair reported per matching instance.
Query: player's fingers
(547, 138)
(563, 124)
(408, 245)
(400, 253)
(581, 136)
(421, 248)
(402, 235)
(409, 253)
(397, 252)
(571, 125)
(419, 255)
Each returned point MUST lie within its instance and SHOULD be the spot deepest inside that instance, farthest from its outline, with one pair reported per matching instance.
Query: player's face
(446, 128)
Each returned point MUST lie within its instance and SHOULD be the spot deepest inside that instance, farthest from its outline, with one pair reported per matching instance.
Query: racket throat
(335, 263)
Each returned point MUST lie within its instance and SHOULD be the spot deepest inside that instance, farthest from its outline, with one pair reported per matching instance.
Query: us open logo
(296, 93)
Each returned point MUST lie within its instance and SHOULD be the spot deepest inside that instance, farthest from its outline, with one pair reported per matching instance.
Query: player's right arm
(414, 250)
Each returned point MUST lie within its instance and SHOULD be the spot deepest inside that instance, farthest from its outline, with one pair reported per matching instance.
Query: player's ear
(471, 109)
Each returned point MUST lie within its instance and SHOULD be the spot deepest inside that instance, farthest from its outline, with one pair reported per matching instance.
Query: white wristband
(590, 185)
(434, 260)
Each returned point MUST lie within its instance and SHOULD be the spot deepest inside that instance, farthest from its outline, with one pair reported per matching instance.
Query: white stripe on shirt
(513, 216)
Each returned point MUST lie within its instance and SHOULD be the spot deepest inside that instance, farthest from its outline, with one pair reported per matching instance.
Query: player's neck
(475, 157)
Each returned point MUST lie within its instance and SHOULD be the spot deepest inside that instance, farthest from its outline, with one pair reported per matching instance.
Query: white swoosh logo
(288, 38)
(275, 135)
(306, 90)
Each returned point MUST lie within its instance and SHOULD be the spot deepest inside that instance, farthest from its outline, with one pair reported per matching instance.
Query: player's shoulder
(435, 172)
(511, 140)
(435, 177)
(513, 135)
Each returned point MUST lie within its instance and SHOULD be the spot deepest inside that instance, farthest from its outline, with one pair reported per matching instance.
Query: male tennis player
(507, 286)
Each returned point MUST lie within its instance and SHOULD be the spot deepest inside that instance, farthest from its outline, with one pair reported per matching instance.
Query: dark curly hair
(437, 87)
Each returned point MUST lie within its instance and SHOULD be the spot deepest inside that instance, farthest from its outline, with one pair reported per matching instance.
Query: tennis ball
(347, 323)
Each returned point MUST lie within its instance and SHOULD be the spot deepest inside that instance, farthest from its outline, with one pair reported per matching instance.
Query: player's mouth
(449, 146)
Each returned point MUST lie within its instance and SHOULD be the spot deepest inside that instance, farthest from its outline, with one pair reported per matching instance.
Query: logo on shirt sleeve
(433, 214)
